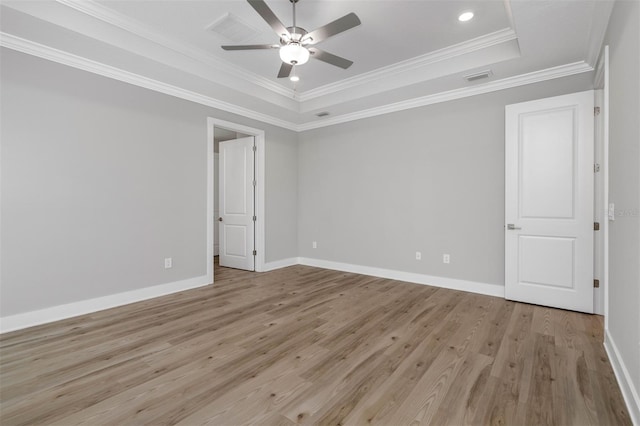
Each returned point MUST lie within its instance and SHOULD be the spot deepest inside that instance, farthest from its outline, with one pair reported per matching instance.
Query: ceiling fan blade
(285, 70)
(330, 58)
(336, 27)
(267, 14)
(251, 47)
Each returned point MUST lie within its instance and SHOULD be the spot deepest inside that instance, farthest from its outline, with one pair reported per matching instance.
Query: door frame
(601, 82)
(259, 136)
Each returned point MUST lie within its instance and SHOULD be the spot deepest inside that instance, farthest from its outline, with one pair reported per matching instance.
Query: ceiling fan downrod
(294, 15)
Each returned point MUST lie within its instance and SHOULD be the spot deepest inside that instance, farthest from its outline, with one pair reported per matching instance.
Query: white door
(549, 202)
(216, 208)
(236, 203)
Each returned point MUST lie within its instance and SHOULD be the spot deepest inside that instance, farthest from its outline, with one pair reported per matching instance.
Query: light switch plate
(612, 211)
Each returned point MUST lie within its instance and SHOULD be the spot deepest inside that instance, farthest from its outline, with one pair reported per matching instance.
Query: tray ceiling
(405, 52)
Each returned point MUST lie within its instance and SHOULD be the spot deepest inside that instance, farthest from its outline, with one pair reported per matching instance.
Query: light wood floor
(306, 345)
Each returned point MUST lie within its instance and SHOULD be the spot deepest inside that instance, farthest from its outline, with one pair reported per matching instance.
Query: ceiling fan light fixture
(294, 54)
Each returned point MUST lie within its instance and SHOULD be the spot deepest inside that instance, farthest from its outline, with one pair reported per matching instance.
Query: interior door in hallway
(549, 202)
(236, 203)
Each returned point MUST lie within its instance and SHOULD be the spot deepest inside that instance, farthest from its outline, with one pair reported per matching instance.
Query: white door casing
(236, 203)
(549, 202)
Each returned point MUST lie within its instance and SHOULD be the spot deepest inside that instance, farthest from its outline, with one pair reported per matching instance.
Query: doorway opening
(219, 131)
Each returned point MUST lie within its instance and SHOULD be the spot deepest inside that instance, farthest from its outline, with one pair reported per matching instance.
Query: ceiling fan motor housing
(297, 33)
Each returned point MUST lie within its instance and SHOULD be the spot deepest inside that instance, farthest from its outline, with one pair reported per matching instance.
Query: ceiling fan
(296, 44)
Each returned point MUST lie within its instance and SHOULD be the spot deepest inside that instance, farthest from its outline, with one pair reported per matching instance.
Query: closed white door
(549, 202)
(236, 203)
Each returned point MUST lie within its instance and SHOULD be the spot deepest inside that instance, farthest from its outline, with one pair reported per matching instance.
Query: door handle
(512, 227)
(220, 219)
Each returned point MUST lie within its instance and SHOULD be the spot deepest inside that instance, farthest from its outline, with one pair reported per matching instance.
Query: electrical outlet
(168, 263)
(446, 258)
(612, 211)
(418, 255)
(314, 244)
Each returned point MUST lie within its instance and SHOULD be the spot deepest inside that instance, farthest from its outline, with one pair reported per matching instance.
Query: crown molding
(506, 83)
(418, 62)
(36, 49)
(102, 13)
(46, 52)
(135, 27)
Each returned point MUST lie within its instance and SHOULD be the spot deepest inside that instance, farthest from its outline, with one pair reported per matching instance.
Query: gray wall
(102, 180)
(623, 38)
(373, 192)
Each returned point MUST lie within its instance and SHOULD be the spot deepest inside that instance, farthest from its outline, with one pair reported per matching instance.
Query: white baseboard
(55, 313)
(627, 387)
(450, 283)
(60, 312)
(283, 263)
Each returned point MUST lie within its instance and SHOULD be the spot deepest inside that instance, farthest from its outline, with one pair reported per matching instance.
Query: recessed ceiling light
(294, 78)
(466, 16)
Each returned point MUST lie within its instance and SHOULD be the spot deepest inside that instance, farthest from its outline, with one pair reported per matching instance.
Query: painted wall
(623, 38)
(102, 180)
(431, 179)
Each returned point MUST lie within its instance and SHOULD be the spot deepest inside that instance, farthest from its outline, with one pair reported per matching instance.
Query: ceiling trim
(506, 83)
(39, 50)
(95, 10)
(135, 27)
(446, 53)
(46, 52)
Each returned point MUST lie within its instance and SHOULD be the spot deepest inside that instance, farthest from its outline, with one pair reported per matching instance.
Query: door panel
(547, 261)
(236, 176)
(236, 240)
(547, 160)
(549, 202)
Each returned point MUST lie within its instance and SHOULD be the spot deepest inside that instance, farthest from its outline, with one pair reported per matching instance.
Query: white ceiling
(406, 52)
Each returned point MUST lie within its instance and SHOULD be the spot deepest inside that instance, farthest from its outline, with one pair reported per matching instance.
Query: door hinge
(596, 168)
(596, 226)
(255, 218)
(255, 252)
(596, 110)
(255, 148)
(596, 283)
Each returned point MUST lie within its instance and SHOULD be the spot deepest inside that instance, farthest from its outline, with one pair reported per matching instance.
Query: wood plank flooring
(304, 345)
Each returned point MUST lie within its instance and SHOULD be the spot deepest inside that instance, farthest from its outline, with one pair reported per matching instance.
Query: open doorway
(219, 131)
